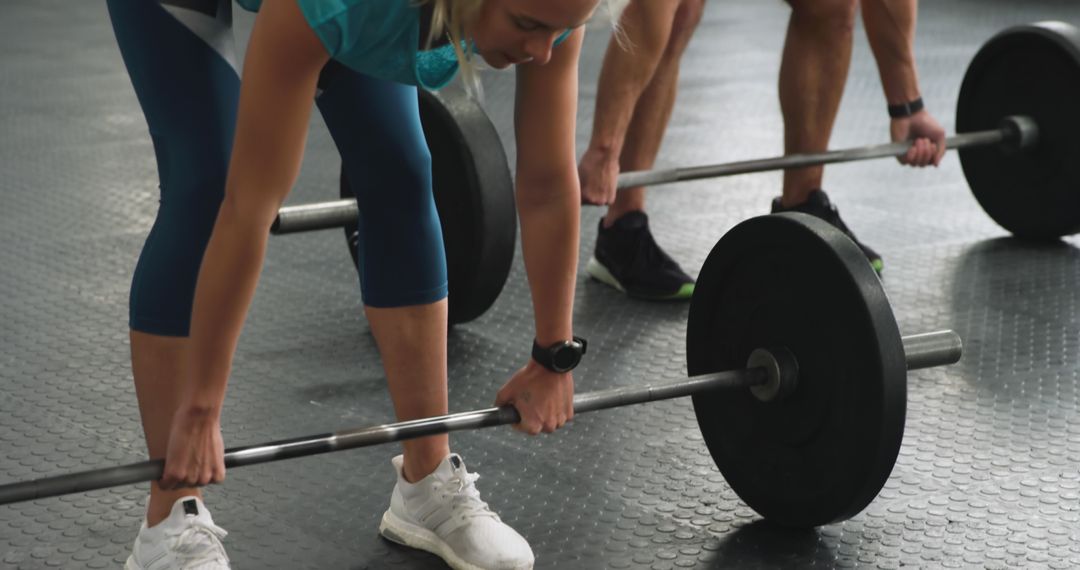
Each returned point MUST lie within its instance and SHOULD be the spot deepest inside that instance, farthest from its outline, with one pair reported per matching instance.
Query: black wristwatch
(905, 110)
(560, 357)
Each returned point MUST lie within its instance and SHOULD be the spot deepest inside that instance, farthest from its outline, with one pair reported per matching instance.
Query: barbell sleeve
(927, 350)
(317, 216)
(921, 351)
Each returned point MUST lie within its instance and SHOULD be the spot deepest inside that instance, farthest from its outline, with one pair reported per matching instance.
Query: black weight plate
(474, 195)
(1035, 71)
(822, 454)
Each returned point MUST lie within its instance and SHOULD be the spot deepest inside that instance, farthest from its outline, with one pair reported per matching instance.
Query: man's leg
(817, 55)
(626, 255)
(653, 109)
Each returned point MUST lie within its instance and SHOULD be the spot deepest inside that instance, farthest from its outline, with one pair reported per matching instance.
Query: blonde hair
(449, 18)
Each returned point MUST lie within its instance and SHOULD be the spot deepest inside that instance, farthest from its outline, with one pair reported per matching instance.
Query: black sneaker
(628, 258)
(818, 205)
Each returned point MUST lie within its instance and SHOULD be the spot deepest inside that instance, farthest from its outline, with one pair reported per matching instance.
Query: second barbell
(1016, 110)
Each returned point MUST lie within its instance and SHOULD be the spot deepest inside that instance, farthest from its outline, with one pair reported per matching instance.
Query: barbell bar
(921, 351)
(1014, 133)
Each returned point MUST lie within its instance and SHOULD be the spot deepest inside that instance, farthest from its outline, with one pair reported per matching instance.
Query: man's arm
(890, 28)
(629, 65)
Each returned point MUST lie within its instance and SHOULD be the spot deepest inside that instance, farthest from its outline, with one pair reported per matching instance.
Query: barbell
(797, 372)
(1014, 133)
(1016, 111)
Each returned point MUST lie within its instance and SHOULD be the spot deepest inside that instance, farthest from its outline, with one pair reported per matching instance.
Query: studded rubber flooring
(987, 476)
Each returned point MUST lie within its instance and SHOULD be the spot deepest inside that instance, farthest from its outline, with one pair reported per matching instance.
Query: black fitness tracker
(906, 109)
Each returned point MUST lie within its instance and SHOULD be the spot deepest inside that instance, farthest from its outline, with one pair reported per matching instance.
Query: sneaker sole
(394, 529)
(597, 271)
(131, 564)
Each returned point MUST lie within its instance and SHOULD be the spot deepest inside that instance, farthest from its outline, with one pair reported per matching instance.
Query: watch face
(566, 357)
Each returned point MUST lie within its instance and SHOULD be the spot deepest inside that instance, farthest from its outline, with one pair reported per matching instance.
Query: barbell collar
(921, 351)
(1021, 133)
(1006, 134)
(781, 370)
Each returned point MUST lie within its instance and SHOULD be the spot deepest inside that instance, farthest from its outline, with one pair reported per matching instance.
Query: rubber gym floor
(987, 476)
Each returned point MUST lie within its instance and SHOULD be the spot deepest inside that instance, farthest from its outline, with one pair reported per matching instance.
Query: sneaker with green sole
(627, 258)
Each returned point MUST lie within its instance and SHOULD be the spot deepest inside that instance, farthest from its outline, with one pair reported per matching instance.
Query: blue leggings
(180, 56)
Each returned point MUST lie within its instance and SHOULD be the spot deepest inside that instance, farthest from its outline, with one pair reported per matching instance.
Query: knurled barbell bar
(815, 405)
(1019, 92)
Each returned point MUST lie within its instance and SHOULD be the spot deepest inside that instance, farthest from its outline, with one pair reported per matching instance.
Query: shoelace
(192, 548)
(465, 498)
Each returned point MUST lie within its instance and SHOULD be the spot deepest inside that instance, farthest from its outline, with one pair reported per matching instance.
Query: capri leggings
(181, 59)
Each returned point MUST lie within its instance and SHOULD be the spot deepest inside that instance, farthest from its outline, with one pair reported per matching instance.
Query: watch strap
(908, 109)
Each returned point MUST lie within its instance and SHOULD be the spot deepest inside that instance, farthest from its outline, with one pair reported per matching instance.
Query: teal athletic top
(379, 38)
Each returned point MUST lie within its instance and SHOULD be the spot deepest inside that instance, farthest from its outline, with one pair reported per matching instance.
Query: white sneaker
(443, 514)
(187, 539)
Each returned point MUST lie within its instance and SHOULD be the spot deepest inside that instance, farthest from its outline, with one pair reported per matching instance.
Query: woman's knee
(403, 258)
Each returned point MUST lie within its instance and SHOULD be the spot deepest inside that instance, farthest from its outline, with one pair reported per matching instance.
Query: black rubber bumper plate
(1035, 71)
(822, 454)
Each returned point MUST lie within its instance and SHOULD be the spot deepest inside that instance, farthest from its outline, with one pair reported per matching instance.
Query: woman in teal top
(386, 50)
(364, 58)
